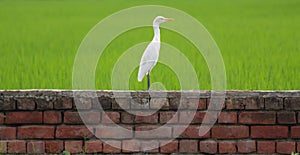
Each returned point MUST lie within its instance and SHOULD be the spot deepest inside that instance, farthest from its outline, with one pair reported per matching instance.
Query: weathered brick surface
(7, 104)
(257, 118)
(169, 147)
(8, 133)
(93, 146)
(168, 117)
(188, 146)
(74, 146)
(292, 103)
(33, 132)
(208, 146)
(36, 147)
(269, 132)
(24, 117)
(71, 132)
(131, 146)
(48, 122)
(3, 147)
(295, 132)
(25, 104)
(16, 146)
(52, 117)
(286, 117)
(43, 104)
(63, 103)
(150, 146)
(227, 117)
(285, 147)
(266, 147)
(227, 147)
(273, 103)
(115, 147)
(55, 146)
(246, 146)
(230, 132)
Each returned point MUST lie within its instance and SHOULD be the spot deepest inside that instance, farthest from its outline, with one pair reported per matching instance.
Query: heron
(151, 53)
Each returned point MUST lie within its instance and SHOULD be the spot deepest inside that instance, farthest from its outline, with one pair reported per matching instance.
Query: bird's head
(160, 19)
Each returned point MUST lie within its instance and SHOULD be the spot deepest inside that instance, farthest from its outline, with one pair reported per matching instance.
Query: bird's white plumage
(149, 59)
(150, 56)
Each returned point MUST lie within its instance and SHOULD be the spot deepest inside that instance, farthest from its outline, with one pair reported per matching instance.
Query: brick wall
(48, 122)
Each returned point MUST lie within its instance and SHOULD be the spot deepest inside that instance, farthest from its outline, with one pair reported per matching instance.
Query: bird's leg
(148, 76)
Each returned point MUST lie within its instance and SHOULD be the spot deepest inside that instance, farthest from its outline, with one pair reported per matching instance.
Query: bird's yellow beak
(169, 19)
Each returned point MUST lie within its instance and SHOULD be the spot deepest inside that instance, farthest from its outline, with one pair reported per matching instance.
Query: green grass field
(259, 41)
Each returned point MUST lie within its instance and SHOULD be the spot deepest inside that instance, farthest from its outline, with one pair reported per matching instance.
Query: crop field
(259, 42)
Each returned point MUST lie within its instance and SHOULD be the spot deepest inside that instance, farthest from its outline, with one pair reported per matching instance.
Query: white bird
(150, 56)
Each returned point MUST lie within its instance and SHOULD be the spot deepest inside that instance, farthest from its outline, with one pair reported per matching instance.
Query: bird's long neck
(156, 33)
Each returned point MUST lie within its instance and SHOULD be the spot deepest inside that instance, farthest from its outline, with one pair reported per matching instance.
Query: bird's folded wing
(145, 66)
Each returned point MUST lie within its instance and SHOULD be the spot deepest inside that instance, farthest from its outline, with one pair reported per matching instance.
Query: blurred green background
(259, 41)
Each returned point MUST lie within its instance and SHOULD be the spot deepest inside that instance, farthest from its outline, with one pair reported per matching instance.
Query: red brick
(149, 146)
(73, 132)
(298, 117)
(286, 117)
(145, 118)
(94, 146)
(25, 104)
(130, 146)
(270, 132)
(257, 118)
(227, 147)
(40, 132)
(121, 103)
(202, 104)
(87, 117)
(190, 131)
(127, 118)
(54, 146)
(63, 103)
(295, 132)
(168, 117)
(150, 132)
(273, 103)
(292, 103)
(110, 117)
(105, 102)
(3, 147)
(169, 146)
(285, 147)
(230, 132)
(43, 104)
(265, 147)
(36, 147)
(246, 146)
(208, 146)
(7, 104)
(74, 146)
(174, 103)
(2, 116)
(23, 117)
(83, 103)
(16, 147)
(298, 146)
(192, 103)
(112, 147)
(113, 132)
(235, 103)
(189, 146)
(159, 103)
(227, 117)
(192, 117)
(52, 117)
(7, 133)
(253, 103)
